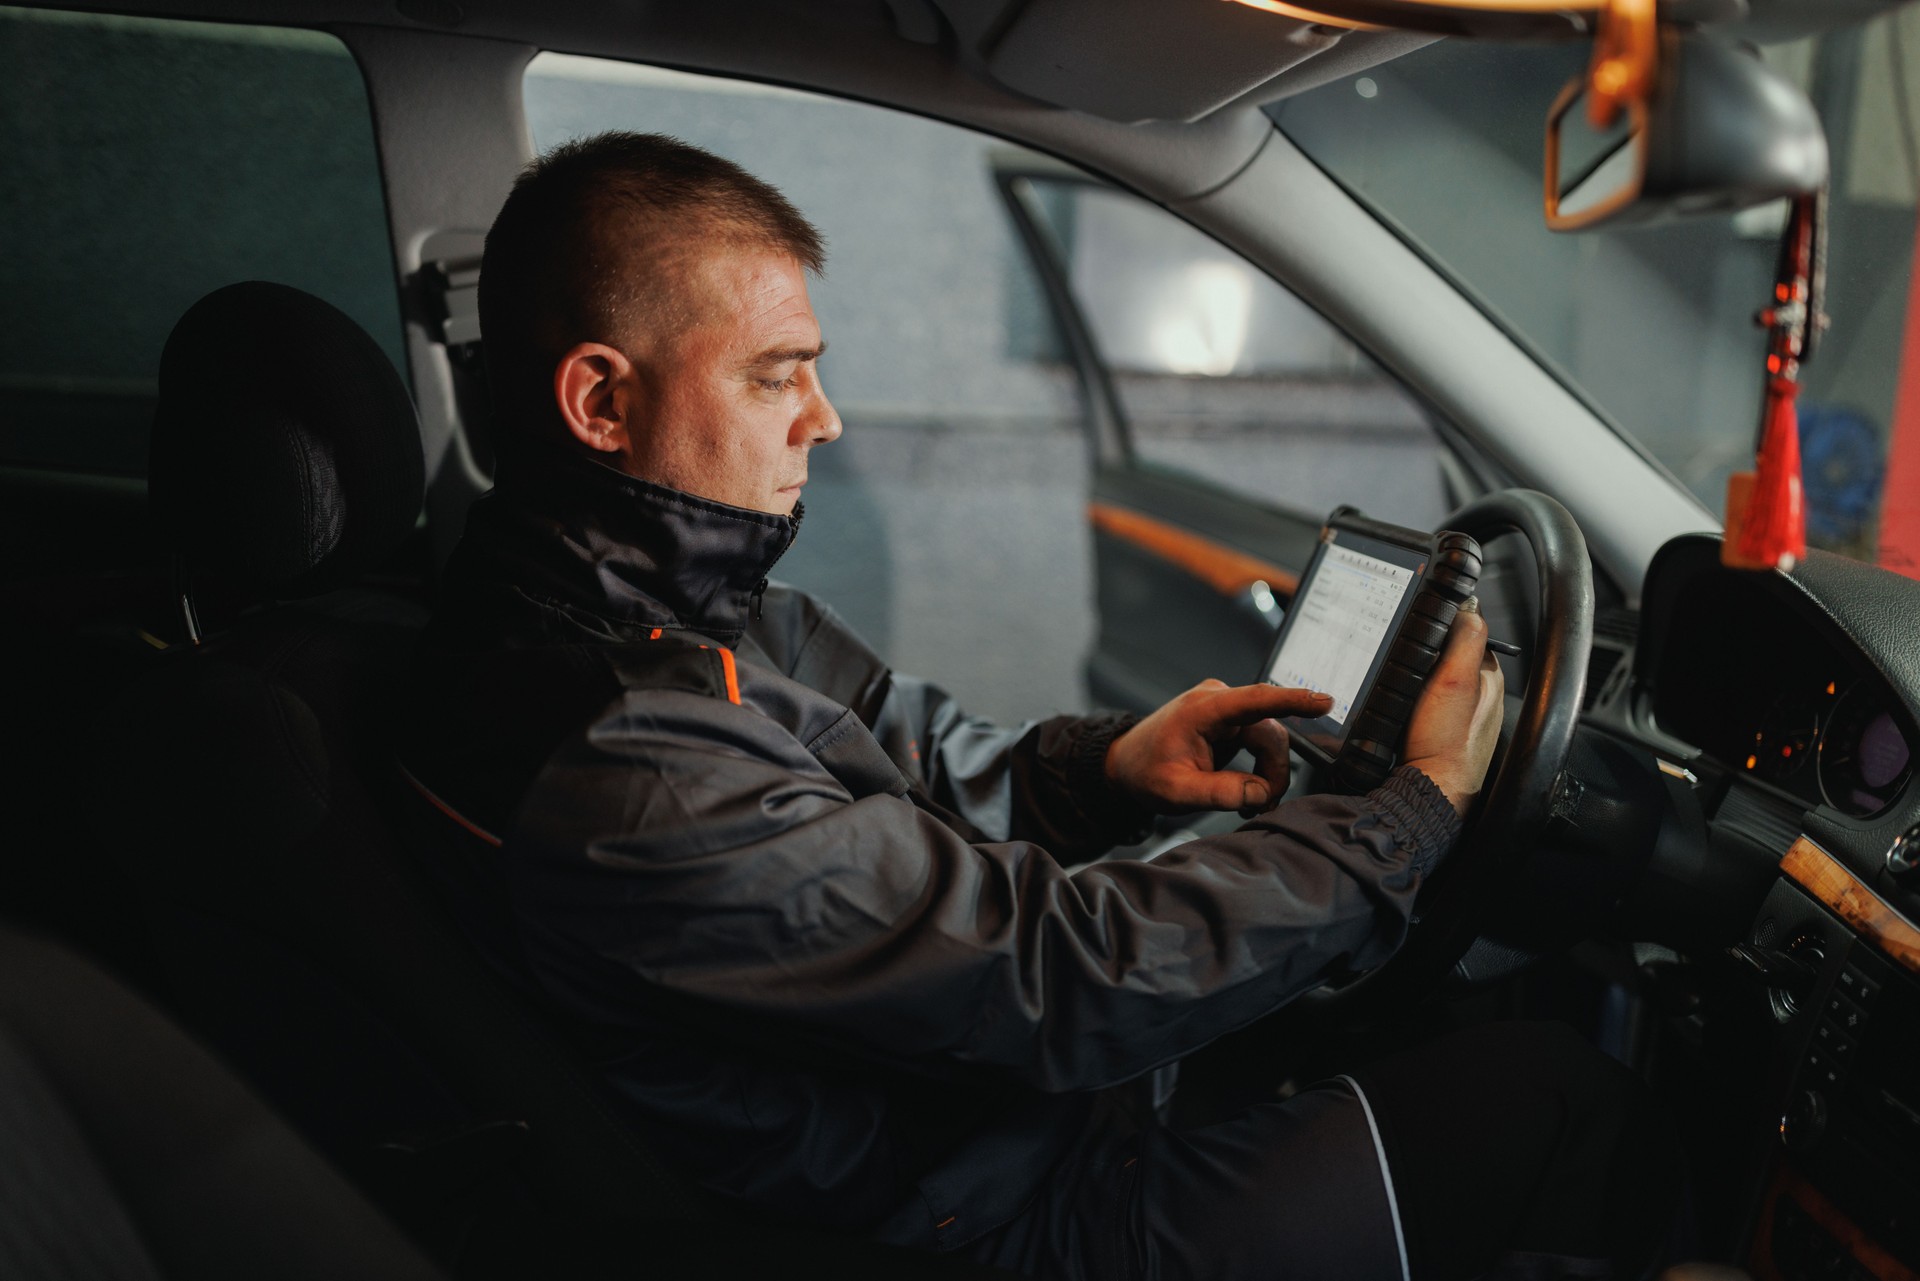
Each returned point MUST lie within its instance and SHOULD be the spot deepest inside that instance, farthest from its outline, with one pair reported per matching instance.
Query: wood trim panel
(1225, 569)
(1871, 916)
(1786, 1184)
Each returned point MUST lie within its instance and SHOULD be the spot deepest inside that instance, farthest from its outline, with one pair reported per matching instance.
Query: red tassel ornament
(1766, 507)
(1766, 512)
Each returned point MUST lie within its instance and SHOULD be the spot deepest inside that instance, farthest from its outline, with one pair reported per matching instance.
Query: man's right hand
(1457, 721)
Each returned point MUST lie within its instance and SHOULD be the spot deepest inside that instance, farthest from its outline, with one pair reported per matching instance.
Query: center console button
(1833, 1043)
(1857, 987)
(1820, 1072)
(1845, 1015)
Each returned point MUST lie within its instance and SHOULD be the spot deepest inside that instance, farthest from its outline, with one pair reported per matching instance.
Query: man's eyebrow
(780, 355)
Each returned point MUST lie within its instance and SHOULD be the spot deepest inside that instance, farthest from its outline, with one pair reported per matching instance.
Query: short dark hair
(556, 267)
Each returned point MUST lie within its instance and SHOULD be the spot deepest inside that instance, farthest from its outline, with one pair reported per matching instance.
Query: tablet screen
(1337, 630)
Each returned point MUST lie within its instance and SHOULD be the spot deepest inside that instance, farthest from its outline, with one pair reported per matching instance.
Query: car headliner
(1181, 64)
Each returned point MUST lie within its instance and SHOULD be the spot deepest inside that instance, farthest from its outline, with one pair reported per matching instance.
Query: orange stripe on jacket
(732, 674)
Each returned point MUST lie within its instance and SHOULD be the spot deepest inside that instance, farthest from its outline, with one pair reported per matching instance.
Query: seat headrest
(286, 455)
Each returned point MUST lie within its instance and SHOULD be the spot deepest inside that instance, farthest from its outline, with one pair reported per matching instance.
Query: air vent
(1614, 631)
(1600, 668)
(1617, 624)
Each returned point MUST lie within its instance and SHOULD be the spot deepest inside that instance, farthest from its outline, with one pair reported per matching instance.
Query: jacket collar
(579, 534)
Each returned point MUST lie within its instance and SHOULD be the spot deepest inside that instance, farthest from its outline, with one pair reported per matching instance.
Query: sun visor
(1136, 60)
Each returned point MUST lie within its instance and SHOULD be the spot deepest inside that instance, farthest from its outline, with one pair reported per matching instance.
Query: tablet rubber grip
(1374, 741)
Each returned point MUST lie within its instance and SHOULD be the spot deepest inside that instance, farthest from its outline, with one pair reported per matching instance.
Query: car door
(1227, 419)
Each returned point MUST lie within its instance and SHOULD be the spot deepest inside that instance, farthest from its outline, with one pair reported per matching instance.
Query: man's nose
(819, 423)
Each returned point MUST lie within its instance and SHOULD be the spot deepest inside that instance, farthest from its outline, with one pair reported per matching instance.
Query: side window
(958, 524)
(147, 162)
(949, 523)
(1223, 375)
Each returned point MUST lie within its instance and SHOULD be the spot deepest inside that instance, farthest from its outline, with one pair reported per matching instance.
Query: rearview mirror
(1719, 131)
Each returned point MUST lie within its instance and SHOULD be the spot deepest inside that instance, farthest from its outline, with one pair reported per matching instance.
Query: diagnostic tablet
(1367, 625)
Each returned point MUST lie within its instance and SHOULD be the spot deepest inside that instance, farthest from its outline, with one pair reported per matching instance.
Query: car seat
(254, 805)
(128, 1154)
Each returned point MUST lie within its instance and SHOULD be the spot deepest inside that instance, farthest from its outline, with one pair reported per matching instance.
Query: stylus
(1504, 647)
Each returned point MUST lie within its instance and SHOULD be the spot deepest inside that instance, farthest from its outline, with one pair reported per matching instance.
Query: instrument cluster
(1835, 744)
(1768, 693)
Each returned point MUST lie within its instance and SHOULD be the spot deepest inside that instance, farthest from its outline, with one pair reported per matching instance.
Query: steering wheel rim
(1514, 806)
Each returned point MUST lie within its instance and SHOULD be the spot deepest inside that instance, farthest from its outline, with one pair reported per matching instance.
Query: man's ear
(593, 387)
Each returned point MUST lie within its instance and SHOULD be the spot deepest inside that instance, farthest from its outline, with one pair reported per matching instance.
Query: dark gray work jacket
(814, 918)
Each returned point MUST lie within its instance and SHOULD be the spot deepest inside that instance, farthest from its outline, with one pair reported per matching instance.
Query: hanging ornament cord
(1766, 507)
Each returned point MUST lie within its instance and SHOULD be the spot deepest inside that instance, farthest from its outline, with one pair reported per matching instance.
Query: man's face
(729, 407)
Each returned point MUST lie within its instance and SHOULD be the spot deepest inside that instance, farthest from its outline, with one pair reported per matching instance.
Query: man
(815, 918)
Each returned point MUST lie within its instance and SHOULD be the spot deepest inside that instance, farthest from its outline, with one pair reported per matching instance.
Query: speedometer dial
(1865, 758)
(1784, 742)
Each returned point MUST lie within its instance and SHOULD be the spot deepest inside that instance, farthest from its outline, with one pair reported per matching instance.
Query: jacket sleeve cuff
(1120, 819)
(1423, 820)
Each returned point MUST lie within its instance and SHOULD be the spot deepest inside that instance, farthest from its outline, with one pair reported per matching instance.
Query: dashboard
(1770, 693)
(1783, 709)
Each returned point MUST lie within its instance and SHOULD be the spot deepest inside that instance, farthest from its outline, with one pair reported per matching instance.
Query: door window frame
(1467, 472)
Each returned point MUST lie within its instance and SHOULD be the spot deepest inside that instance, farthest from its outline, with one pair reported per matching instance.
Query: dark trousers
(1510, 1150)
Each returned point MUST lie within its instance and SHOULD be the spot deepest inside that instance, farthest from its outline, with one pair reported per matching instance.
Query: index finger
(1245, 704)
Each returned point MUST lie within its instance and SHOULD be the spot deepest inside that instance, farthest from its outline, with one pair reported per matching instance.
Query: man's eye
(788, 383)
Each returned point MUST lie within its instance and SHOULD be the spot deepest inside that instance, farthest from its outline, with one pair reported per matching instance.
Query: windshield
(1654, 325)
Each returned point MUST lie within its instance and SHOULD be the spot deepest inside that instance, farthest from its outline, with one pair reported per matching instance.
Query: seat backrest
(285, 452)
(256, 801)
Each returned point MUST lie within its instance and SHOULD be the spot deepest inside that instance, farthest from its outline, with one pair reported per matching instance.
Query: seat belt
(455, 285)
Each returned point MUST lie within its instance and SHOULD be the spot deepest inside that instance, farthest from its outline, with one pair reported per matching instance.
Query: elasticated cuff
(1111, 808)
(1423, 820)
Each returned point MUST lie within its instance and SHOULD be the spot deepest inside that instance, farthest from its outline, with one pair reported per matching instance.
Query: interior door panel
(1177, 569)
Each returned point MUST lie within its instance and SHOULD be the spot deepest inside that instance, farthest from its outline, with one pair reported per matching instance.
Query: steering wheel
(1514, 806)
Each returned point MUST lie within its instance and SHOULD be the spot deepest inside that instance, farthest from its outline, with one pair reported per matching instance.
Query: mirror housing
(1720, 131)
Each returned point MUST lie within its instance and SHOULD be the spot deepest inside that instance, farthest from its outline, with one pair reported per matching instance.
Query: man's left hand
(1170, 762)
